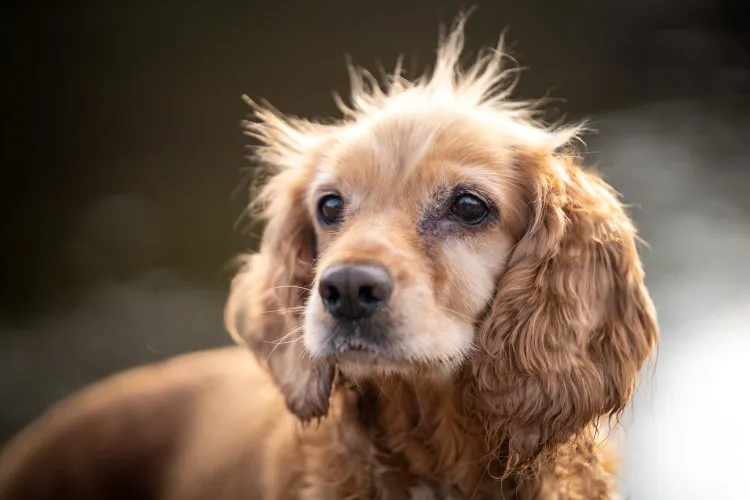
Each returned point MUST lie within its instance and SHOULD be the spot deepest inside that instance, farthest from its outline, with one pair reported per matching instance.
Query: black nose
(355, 291)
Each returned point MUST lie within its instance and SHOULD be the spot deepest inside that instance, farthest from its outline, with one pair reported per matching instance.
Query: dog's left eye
(331, 209)
(469, 209)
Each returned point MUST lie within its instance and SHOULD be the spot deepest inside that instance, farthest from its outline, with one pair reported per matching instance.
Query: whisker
(459, 314)
(286, 310)
(280, 341)
(292, 341)
(307, 289)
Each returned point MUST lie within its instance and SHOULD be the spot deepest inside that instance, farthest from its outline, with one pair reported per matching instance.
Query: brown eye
(469, 209)
(330, 209)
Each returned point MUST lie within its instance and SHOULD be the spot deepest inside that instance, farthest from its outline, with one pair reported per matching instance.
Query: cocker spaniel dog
(449, 307)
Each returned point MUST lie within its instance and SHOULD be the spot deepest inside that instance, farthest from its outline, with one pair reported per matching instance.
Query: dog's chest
(407, 453)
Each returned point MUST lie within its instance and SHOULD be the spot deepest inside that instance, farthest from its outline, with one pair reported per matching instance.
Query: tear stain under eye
(434, 224)
(437, 227)
(433, 212)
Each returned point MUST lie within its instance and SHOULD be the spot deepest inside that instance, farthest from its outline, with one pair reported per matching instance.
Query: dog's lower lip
(356, 347)
(358, 352)
(360, 356)
(343, 343)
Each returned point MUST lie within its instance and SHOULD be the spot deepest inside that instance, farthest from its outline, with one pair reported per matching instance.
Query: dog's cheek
(471, 273)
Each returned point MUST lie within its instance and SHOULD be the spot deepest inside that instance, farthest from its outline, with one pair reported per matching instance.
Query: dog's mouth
(357, 347)
(353, 352)
(361, 359)
(363, 340)
(352, 349)
(364, 348)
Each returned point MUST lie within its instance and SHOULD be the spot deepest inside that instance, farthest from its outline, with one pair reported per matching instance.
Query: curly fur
(556, 348)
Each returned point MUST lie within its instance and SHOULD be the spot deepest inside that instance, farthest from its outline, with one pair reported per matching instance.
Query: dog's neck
(421, 430)
(403, 438)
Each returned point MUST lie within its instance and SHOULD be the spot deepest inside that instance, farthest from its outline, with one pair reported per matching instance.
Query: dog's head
(437, 230)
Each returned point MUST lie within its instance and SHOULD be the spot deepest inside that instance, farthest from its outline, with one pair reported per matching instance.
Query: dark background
(123, 162)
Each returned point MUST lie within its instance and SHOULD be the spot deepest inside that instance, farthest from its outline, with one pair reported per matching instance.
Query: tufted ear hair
(571, 323)
(267, 297)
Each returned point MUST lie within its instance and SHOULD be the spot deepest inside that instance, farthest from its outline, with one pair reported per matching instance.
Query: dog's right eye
(469, 209)
(331, 209)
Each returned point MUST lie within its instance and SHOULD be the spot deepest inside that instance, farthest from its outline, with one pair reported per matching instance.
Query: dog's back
(192, 427)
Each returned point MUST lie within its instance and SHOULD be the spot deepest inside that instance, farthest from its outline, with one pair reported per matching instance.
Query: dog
(445, 304)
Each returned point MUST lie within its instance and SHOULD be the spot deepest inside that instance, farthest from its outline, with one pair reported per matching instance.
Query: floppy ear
(572, 321)
(267, 296)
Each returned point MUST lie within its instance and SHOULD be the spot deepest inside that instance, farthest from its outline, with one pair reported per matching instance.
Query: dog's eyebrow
(322, 181)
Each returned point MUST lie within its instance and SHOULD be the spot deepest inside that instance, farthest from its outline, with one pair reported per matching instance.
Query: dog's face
(414, 217)
(437, 229)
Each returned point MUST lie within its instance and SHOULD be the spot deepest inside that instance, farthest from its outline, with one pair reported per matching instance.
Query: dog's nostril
(329, 293)
(365, 294)
(372, 294)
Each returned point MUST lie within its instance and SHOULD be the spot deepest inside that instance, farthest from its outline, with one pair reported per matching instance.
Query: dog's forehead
(414, 152)
(388, 148)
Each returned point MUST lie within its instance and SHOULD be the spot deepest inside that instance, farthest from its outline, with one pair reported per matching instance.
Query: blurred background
(123, 167)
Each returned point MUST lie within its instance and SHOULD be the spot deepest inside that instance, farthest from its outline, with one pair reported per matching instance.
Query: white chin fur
(360, 365)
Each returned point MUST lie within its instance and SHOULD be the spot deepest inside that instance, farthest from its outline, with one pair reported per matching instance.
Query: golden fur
(512, 343)
(508, 343)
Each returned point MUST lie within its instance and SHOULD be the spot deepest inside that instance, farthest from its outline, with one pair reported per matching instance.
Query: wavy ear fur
(571, 323)
(267, 296)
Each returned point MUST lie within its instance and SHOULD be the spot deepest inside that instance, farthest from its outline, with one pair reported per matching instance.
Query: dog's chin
(361, 363)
